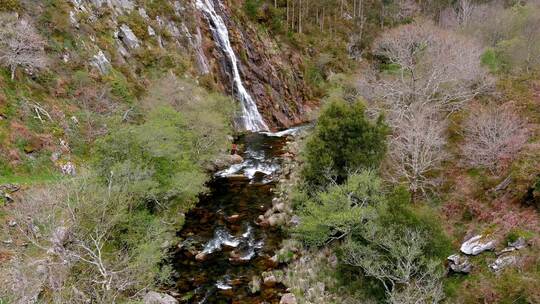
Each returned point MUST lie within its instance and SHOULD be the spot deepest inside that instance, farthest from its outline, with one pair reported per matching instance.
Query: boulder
(233, 218)
(255, 284)
(477, 244)
(459, 264)
(128, 37)
(68, 169)
(101, 63)
(503, 262)
(276, 220)
(520, 243)
(201, 256)
(153, 297)
(295, 221)
(280, 207)
(235, 159)
(288, 298)
(269, 280)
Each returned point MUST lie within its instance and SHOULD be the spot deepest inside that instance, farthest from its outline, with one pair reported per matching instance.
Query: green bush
(155, 159)
(120, 87)
(343, 140)
(491, 59)
(251, 7)
(339, 211)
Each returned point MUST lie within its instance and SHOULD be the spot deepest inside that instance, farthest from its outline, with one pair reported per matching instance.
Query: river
(223, 248)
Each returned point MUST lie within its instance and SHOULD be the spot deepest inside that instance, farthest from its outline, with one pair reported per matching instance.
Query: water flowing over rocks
(224, 255)
(251, 119)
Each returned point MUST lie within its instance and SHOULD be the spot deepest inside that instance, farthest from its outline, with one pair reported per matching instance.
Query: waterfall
(251, 118)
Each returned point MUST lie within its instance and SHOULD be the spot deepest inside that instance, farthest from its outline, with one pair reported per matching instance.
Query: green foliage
(251, 7)
(491, 59)
(120, 87)
(207, 115)
(400, 214)
(137, 24)
(156, 159)
(375, 231)
(339, 211)
(343, 140)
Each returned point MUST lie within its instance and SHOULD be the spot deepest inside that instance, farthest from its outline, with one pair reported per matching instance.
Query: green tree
(156, 159)
(336, 213)
(343, 140)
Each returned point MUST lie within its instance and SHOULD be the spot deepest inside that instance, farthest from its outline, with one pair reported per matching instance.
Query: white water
(251, 118)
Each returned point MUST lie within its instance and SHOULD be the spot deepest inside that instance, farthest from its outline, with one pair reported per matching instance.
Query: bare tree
(69, 228)
(426, 65)
(417, 146)
(20, 44)
(493, 136)
(397, 260)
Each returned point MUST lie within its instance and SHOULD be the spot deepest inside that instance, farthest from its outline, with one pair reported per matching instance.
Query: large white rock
(477, 244)
(153, 297)
(128, 37)
(503, 262)
(459, 263)
(100, 62)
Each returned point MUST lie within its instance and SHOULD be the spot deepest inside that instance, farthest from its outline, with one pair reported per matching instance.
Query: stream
(223, 248)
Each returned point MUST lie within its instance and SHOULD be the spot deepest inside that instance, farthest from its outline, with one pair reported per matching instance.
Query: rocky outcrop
(101, 63)
(502, 262)
(272, 75)
(128, 37)
(477, 244)
(459, 264)
(153, 297)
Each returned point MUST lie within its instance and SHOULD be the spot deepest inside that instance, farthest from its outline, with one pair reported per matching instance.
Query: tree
(344, 140)
(156, 159)
(416, 146)
(336, 213)
(493, 135)
(423, 64)
(512, 33)
(398, 261)
(207, 115)
(20, 44)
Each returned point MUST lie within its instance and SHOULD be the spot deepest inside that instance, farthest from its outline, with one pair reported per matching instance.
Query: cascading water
(251, 119)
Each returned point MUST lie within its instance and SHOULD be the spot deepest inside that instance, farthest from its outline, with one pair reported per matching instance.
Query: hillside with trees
(396, 157)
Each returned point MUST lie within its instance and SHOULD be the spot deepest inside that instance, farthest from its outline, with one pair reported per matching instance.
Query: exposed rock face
(477, 244)
(459, 264)
(520, 243)
(101, 62)
(128, 37)
(271, 75)
(503, 262)
(153, 297)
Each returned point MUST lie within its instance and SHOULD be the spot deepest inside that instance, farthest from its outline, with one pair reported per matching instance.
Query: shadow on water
(223, 247)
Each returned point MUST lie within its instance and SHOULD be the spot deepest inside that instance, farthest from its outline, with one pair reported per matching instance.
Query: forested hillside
(269, 151)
